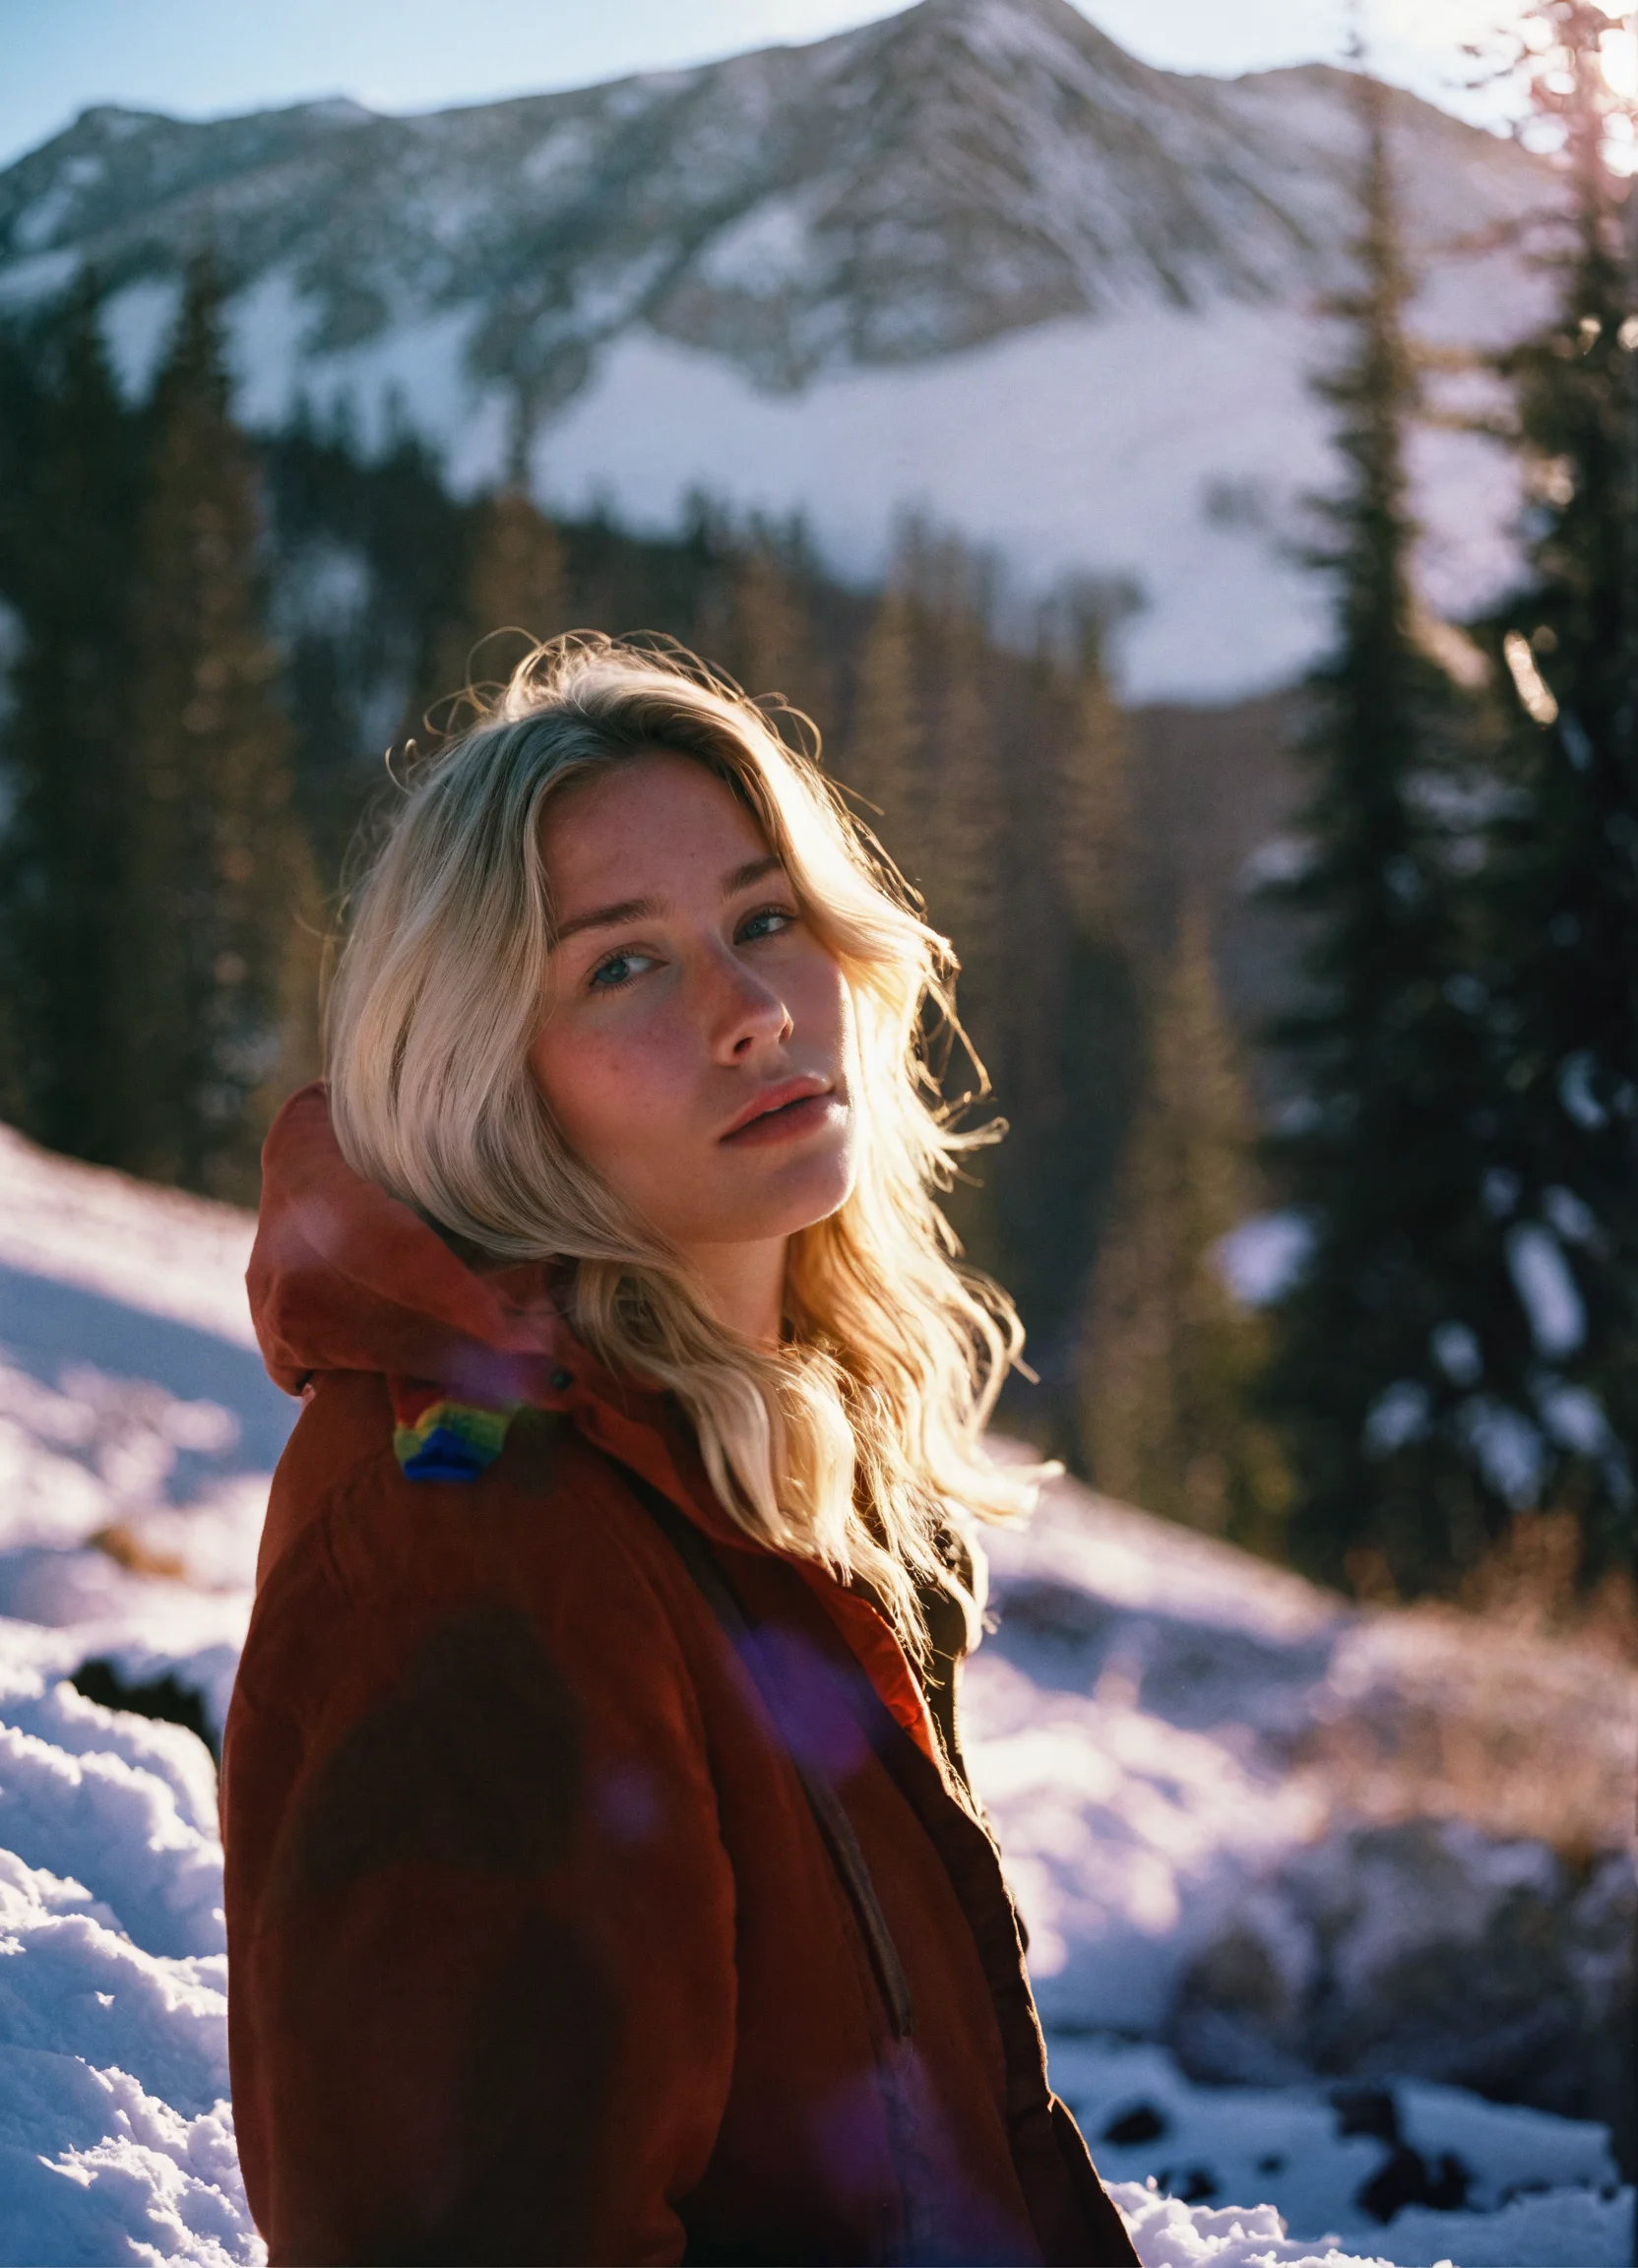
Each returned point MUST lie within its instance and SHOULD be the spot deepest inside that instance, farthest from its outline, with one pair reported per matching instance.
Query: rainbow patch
(437, 1438)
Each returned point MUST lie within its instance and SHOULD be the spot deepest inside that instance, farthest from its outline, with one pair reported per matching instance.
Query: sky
(202, 58)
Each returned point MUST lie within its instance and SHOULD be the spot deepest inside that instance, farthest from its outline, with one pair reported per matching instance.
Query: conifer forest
(1410, 1060)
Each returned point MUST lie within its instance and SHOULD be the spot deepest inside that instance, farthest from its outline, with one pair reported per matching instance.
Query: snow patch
(1038, 443)
(1263, 1259)
(38, 223)
(1398, 1416)
(1546, 1290)
(1123, 1835)
(1574, 1416)
(1309, 2155)
(1573, 2230)
(267, 323)
(95, 2167)
(116, 2137)
(765, 251)
(27, 282)
(1509, 1448)
(172, 1255)
(137, 323)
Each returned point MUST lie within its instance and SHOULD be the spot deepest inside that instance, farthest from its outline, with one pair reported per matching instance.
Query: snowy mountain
(973, 258)
(1248, 1825)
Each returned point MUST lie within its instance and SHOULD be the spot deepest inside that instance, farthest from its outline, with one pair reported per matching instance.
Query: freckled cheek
(816, 997)
(617, 1093)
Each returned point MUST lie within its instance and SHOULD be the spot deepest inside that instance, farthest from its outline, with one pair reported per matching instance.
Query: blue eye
(757, 925)
(617, 969)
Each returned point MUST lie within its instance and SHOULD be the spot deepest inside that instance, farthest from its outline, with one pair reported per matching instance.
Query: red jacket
(599, 1888)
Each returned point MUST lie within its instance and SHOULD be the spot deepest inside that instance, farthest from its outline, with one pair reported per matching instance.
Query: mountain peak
(333, 110)
(1059, 16)
(1056, 295)
(942, 176)
(1014, 29)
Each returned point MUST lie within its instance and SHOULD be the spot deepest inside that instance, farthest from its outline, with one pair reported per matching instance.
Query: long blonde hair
(859, 1442)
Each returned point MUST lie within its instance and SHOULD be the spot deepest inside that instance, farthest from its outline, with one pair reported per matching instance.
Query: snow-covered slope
(973, 258)
(1195, 1761)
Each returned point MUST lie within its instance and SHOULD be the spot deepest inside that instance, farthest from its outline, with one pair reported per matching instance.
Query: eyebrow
(640, 908)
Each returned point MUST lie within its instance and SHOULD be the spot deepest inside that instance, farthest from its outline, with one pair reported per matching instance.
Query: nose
(746, 1014)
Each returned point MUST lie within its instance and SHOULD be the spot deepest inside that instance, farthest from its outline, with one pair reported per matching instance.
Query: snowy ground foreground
(1170, 1732)
(136, 1431)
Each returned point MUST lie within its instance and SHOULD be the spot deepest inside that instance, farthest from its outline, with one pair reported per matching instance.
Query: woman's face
(697, 1038)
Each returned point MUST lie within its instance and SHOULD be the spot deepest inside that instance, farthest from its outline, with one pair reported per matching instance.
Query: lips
(774, 1099)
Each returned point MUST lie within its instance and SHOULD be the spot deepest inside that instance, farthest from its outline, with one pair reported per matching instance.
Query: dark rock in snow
(1407, 2178)
(1427, 1950)
(1142, 2123)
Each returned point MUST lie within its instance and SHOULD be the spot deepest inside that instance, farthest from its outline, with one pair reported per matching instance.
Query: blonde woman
(604, 1881)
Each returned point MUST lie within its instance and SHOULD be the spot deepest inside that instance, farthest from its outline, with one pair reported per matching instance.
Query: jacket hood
(343, 1277)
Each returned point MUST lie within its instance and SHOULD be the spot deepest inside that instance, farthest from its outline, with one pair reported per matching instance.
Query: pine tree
(1390, 1345)
(72, 498)
(517, 578)
(1093, 850)
(923, 755)
(368, 571)
(770, 647)
(1063, 1038)
(997, 781)
(882, 755)
(217, 901)
(965, 822)
(1171, 1360)
(514, 592)
(1562, 886)
(1094, 805)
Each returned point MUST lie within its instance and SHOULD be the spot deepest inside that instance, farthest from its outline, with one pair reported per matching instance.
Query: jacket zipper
(836, 1829)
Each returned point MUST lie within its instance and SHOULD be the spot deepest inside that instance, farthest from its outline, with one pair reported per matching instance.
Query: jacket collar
(343, 1277)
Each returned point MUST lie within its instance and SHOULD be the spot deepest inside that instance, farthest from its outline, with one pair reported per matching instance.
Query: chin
(803, 1193)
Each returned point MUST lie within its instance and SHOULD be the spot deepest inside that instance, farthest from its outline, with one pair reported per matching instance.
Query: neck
(744, 1285)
